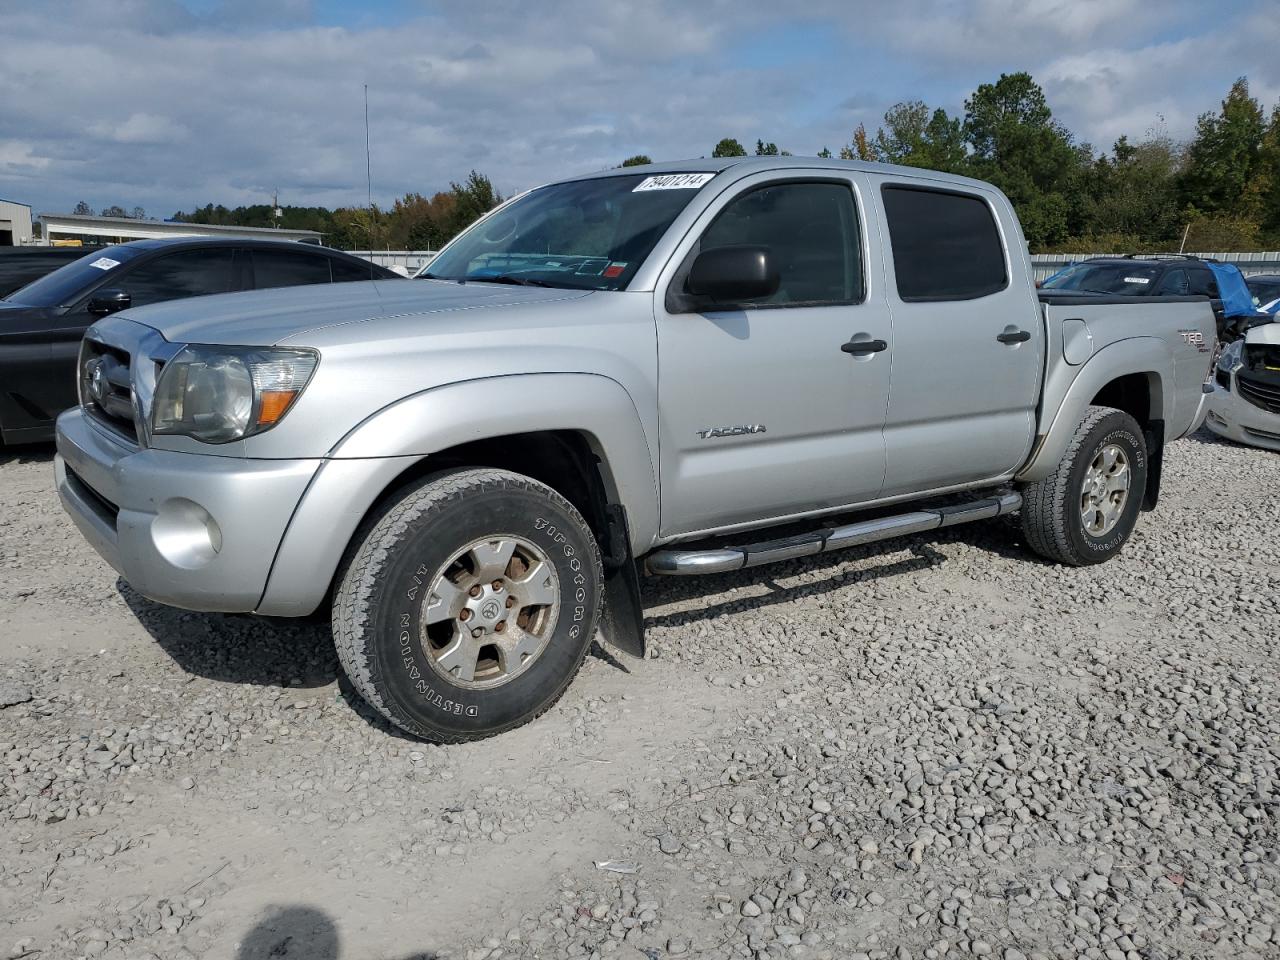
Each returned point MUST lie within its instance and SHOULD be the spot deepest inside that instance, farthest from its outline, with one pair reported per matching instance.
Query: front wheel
(468, 607)
(1084, 512)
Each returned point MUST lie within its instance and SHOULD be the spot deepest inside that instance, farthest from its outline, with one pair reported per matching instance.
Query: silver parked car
(644, 366)
(1245, 404)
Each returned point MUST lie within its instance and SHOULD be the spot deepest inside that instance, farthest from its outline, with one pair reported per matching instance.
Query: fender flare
(359, 468)
(1149, 356)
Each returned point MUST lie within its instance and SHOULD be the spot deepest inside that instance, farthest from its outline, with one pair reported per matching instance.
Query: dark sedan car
(22, 265)
(42, 323)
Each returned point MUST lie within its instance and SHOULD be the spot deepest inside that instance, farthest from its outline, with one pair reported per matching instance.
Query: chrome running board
(723, 559)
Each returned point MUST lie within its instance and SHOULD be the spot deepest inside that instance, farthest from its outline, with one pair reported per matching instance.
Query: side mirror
(733, 274)
(106, 302)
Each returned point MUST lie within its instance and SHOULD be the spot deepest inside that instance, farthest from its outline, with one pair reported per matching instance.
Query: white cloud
(144, 102)
(20, 158)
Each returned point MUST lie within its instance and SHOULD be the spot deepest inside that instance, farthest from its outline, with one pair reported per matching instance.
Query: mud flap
(1153, 433)
(622, 621)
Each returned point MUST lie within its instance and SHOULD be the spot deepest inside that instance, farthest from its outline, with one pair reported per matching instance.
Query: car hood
(265, 317)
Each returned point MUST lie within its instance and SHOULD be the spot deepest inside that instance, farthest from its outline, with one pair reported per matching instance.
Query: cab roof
(744, 166)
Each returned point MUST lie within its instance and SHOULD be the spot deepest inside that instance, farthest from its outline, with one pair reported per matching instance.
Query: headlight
(220, 394)
(1229, 360)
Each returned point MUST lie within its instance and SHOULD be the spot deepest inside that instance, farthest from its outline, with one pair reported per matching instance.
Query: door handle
(864, 346)
(1014, 336)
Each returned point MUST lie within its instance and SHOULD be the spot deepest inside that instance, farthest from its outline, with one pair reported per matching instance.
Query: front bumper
(1233, 417)
(190, 530)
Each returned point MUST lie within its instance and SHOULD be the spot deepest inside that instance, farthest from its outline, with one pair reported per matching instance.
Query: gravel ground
(933, 747)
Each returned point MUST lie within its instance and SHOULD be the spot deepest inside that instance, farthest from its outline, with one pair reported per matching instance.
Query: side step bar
(724, 559)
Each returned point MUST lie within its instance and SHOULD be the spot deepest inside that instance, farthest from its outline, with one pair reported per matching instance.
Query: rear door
(968, 338)
(762, 414)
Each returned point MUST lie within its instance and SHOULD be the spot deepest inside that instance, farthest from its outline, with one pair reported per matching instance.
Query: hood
(265, 317)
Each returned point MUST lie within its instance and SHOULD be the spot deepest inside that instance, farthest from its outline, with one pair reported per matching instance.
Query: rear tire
(1085, 511)
(468, 606)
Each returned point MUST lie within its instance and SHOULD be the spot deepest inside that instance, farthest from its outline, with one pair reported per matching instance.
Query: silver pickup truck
(694, 368)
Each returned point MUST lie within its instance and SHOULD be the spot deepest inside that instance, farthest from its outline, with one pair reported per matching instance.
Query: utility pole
(276, 212)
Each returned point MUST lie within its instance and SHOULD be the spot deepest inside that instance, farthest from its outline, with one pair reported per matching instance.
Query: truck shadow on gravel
(1001, 536)
(239, 648)
(304, 933)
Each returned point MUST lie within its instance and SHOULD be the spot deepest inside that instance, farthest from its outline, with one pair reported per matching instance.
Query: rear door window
(185, 273)
(285, 268)
(945, 245)
(1203, 284)
(344, 272)
(1174, 283)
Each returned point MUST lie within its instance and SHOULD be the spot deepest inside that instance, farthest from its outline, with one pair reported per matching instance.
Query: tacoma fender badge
(738, 431)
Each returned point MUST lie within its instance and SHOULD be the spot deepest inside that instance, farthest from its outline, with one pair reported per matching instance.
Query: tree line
(1218, 191)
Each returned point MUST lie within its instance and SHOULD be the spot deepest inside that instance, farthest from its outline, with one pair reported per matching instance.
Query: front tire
(1085, 511)
(467, 608)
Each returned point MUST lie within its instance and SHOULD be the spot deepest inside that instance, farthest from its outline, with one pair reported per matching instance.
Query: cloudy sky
(169, 105)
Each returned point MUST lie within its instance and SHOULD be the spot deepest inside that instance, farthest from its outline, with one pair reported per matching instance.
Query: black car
(41, 324)
(21, 265)
(1136, 275)
(1264, 286)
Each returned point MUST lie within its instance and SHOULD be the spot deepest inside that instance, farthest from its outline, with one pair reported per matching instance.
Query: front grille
(1261, 393)
(106, 386)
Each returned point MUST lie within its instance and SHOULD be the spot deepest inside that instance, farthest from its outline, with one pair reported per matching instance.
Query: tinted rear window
(344, 271)
(945, 245)
(288, 269)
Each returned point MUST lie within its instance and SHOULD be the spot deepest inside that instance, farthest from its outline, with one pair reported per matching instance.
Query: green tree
(1224, 156)
(1266, 180)
(914, 136)
(114, 211)
(1016, 144)
(83, 209)
(728, 147)
(471, 200)
(825, 153)
(1130, 197)
(639, 160)
(766, 149)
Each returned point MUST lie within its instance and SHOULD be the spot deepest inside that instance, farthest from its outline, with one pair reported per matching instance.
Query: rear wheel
(1085, 511)
(468, 607)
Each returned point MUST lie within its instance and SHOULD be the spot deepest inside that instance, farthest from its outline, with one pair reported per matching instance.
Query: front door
(764, 411)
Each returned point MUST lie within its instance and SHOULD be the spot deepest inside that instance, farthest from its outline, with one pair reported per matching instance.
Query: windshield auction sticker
(105, 263)
(674, 181)
(1137, 279)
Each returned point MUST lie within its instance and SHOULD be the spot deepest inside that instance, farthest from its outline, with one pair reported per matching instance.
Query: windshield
(1125, 279)
(67, 283)
(582, 235)
(1264, 291)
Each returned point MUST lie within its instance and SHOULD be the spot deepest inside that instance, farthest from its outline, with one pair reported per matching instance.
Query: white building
(72, 226)
(15, 223)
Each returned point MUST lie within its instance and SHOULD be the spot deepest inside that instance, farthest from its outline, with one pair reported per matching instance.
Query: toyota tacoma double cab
(686, 368)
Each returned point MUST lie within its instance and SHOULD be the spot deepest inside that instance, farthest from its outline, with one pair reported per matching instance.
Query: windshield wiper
(514, 279)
